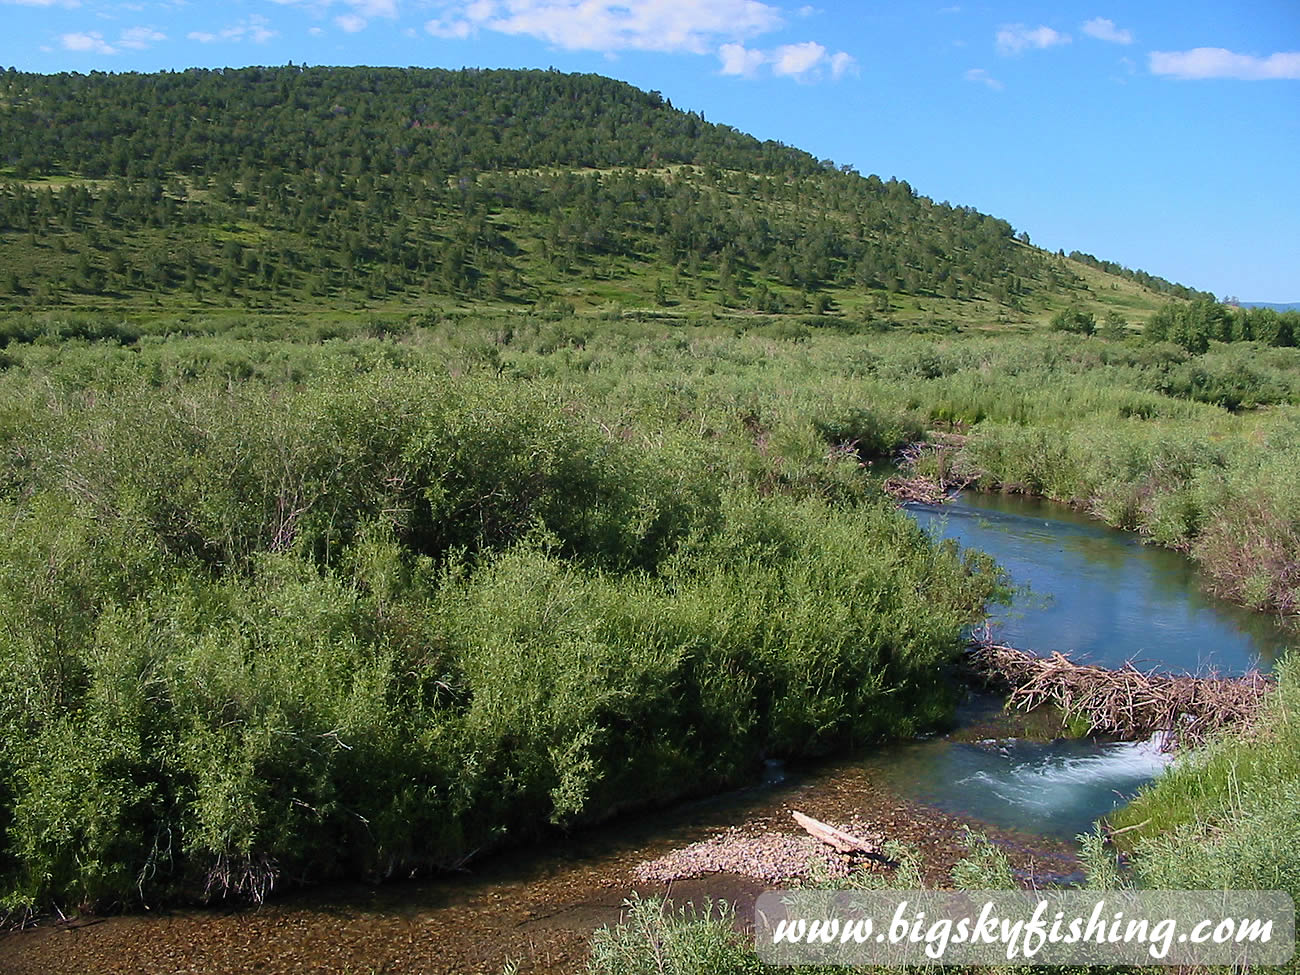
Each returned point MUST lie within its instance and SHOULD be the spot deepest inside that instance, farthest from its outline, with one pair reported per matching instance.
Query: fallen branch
(1127, 703)
(1125, 829)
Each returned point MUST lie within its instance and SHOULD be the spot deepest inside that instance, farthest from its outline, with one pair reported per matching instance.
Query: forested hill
(385, 187)
(355, 121)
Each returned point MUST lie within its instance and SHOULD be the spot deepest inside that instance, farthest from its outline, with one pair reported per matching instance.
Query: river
(1100, 594)
(1096, 592)
(1103, 597)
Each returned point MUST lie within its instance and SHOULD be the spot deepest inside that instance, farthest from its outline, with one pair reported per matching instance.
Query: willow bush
(257, 633)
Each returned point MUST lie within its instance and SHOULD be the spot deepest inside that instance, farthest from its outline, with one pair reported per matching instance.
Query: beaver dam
(1147, 660)
(1126, 703)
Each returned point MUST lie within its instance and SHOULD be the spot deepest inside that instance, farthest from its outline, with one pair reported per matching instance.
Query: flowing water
(1103, 597)
(1096, 592)
(1100, 594)
(1047, 788)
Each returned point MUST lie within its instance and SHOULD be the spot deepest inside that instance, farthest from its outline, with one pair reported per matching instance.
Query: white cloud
(375, 8)
(670, 26)
(451, 28)
(982, 77)
(92, 41)
(139, 38)
(315, 31)
(1105, 30)
(255, 28)
(739, 60)
(1218, 62)
(808, 61)
(693, 26)
(353, 20)
(842, 64)
(363, 8)
(1015, 38)
(796, 60)
(43, 3)
(258, 31)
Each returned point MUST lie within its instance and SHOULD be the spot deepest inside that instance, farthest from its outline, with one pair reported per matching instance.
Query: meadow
(287, 602)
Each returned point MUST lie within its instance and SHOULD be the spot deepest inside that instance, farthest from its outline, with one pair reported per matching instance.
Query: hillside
(1274, 305)
(338, 189)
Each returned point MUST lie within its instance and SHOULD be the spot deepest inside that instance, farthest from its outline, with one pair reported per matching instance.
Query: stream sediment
(536, 907)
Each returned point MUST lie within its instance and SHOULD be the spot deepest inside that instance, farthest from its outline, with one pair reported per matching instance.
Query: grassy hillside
(382, 189)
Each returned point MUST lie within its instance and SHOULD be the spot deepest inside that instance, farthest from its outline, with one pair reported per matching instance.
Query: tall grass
(1224, 817)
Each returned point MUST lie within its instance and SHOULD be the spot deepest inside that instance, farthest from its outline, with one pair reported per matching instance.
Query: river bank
(537, 907)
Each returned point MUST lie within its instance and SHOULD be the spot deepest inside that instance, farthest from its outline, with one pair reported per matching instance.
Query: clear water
(1100, 594)
(1103, 597)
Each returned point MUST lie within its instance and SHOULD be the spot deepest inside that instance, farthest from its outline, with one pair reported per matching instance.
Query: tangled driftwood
(938, 488)
(920, 490)
(1128, 703)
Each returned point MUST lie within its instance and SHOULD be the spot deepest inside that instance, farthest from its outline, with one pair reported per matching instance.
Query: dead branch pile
(1127, 703)
(936, 488)
(920, 490)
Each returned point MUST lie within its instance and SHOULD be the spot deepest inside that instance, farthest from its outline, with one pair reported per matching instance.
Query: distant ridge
(1275, 305)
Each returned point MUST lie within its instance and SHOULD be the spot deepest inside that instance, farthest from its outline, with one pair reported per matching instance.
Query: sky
(1164, 135)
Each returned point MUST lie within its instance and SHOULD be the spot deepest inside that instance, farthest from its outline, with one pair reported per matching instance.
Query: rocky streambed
(538, 907)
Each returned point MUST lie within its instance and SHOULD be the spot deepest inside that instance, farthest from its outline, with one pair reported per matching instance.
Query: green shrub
(383, 619)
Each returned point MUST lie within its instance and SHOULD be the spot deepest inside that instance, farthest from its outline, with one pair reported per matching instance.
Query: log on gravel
(840, 840)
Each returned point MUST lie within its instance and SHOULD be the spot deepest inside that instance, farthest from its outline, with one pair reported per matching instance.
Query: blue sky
(1163, 135)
